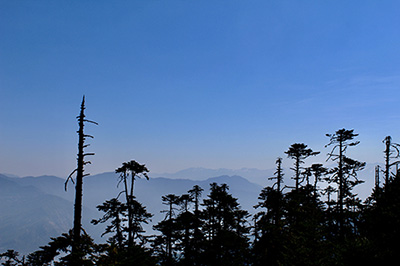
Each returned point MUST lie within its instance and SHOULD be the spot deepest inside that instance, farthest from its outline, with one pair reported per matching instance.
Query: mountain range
(33, 209)
(254, 175)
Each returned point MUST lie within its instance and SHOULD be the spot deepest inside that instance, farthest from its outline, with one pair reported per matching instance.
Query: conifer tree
(225, 227)
(11, 258)
(381, 225)
(299, 152)
(194, 253)
(304, 227)
(278, 174)
(59, 252)
(135, 170)
(268, 229)
(165, 244)
(268, 224)
(345, 174)
(318, 170)
(115, 211)
(195, 193)
(126, 219)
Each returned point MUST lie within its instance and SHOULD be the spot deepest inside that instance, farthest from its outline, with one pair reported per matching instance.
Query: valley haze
(37, 208)
(45, 195)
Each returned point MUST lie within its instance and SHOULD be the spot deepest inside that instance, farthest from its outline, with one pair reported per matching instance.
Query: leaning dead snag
(76, 256)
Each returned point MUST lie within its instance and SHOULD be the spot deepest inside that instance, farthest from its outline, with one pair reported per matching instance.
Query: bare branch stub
(76, 257)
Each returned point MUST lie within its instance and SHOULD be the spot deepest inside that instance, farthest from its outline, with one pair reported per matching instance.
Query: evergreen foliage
(318, 221)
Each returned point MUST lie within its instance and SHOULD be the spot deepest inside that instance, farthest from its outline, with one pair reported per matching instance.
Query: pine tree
(268, 228)
(126, 219)
(115, 211)
(344, 175)
(59, 252)
(304, 227)
(166, 243)
(11, 258)
(136, 170)
(381, 225)
(318, 170)
(118, 251)
(193, 220)
(225, 228)
(299, 152)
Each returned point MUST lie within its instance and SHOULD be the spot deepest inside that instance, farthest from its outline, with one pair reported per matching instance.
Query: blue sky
(177, 84)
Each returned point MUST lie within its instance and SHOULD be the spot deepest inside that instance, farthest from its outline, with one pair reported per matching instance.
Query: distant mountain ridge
(33, 209)
(254, 175)
(260, 177)
(29, 216)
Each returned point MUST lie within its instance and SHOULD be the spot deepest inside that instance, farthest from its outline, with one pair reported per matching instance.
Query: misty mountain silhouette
(29, 216)
(254, 175)
(37, 208)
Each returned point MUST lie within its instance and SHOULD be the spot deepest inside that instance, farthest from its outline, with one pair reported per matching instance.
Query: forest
(317, 221)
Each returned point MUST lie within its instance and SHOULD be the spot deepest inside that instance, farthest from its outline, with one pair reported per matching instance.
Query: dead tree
(79, 171)
(377, 177)
(392, 151)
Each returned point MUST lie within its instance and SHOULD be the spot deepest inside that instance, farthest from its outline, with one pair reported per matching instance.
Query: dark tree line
(318, 221)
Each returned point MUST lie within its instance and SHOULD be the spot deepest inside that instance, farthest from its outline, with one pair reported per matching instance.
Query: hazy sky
(177, 84)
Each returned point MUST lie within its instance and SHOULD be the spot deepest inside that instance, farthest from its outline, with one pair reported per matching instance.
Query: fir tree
(225, 228)
(299, 152)
(344, 175)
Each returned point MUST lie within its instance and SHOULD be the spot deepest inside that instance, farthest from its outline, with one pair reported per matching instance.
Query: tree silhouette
(318, 170)
(299, 152)
(118, 251)
(127, 246)
(194, 251)
(345, 174)
(266, 195)
(63, 245)
(195, 193)
(11, 258)
(278, 174)
(268, 228)
(136, 170)
(304, 227)
(381, 225)
(79, 182)
(392, 151)
(115, 211)
(165, 243)
(225, 228)
(185, 221)
(312, 224)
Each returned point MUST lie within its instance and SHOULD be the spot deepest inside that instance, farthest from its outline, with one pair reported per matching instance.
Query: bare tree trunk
(340, 176)
(76, 253)
(387, 159)
(78, 189)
